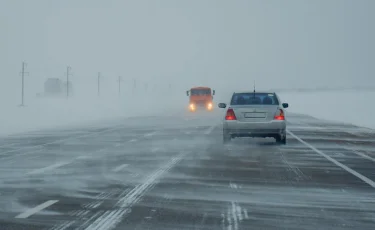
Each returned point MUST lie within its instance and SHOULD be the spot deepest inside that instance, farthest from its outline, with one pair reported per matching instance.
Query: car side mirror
(213, 92)
(222, 105)
(285, 105)
(187, 93)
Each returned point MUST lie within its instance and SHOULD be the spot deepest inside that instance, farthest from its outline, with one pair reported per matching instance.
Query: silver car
(255, 114)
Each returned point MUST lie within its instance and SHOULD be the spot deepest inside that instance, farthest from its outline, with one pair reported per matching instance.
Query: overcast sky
(219, 43)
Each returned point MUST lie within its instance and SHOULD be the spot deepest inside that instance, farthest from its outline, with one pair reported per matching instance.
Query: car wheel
(226, 138)
(281, 140)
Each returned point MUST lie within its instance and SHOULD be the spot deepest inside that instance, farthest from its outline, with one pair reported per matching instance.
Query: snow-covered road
(174, 173)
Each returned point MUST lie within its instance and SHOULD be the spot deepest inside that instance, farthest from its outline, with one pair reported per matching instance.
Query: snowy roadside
(45, 113)
(350, 106)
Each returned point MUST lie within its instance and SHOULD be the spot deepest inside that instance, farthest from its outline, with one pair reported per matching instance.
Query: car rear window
(254, 99)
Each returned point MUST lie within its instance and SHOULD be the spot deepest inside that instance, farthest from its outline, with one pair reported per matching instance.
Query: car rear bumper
(254, 129)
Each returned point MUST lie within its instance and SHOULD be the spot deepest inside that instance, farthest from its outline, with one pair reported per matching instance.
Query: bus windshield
(200, 91)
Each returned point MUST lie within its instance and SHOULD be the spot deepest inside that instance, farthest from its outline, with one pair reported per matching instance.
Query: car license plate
(255, 115)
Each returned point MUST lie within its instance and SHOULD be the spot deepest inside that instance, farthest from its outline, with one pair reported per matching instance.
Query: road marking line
(229, 219)
(117, 145)
(41, 170)
(232, 185)
(149, 134)
(209, 130)
(361, 154)
(61, 140)
(83, 157)
(111, 218)
(133, 140)
(239, 213)
(153, 150)
(234, 215)
(12, 157)
(36, 209)
(246, 214)
(346, 168)
(222, 221)
(135, 174)
(364, 155)
(120, 167)
(107, 220)
(7, 145)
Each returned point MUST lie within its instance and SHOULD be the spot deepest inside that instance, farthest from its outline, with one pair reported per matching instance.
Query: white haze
(172, 46)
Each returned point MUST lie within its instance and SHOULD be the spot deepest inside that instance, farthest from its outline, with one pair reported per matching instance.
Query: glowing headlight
(209, 106)
(192, 106)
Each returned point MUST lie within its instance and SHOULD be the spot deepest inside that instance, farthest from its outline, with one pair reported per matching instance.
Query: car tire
(281, 139)
(226, 138)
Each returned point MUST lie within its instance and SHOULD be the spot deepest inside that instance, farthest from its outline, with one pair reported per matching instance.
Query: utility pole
(119, 85)
(67, 80)
(23, 83)
(134, 85)
(99, 84)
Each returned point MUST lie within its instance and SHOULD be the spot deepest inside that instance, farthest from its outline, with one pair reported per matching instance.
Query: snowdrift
(347, 106)
(47, 112)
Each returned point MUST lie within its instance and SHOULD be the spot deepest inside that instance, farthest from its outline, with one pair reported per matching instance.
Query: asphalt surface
(175, 173)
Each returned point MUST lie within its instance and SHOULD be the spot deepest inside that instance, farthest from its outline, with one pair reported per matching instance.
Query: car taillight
(230, 115)
(280, 115)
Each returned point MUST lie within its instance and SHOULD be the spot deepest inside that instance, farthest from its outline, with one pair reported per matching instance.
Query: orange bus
(200, 98)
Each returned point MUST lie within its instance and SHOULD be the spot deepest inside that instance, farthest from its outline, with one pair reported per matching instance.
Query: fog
(174, 45)
(126, 149)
